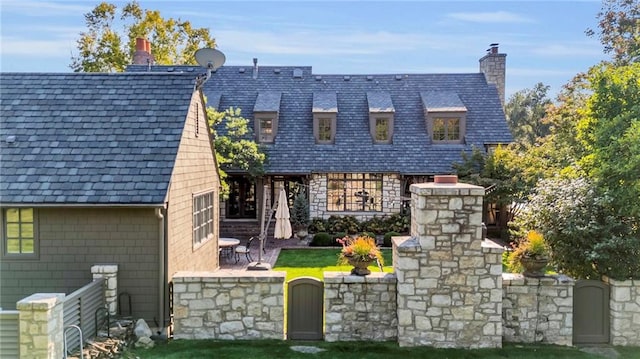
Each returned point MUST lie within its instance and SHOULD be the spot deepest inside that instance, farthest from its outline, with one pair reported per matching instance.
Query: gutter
(161, 268)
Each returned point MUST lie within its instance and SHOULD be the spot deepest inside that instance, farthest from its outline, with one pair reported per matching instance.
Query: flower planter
(360, 266)
(533, 267)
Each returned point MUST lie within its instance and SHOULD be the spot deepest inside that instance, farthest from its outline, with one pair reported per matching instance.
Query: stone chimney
(143, 55)
(493, 66)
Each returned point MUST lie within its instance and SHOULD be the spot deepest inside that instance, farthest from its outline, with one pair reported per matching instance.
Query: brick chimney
(493, 66)
(143, 55)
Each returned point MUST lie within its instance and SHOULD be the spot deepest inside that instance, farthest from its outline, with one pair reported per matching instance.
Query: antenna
(211, 59)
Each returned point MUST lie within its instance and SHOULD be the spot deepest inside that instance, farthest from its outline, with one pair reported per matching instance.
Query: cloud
(490, 17)
(43, 8)
(565, 49)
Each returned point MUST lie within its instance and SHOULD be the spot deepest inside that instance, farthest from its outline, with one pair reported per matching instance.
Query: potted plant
(530, 255)
(360, 252)
(300, 214)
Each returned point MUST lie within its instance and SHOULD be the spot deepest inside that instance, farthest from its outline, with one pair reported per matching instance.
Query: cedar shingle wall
(194, 172)
(74, 239)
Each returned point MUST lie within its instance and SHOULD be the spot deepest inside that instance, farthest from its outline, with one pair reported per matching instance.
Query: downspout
(161, 267)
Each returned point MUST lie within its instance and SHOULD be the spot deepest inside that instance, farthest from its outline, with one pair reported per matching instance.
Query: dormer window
(265, 114)
(381, 116)
(325, 110)
(445, 116)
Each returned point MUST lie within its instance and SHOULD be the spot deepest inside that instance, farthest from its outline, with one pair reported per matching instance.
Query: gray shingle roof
(325, 101)
(379, 102)
(442, 101)
(90, 138)
(295, 151)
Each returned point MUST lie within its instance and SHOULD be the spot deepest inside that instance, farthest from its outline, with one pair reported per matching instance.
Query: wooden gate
(590, 312)
(305, 309)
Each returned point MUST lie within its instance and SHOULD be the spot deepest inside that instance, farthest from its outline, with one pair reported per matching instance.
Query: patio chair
(246, 250)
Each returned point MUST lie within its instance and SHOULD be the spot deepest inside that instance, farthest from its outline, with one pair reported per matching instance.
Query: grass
(313, 262)
(265, 349)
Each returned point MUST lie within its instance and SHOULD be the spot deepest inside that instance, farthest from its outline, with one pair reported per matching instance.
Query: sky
(544, 41)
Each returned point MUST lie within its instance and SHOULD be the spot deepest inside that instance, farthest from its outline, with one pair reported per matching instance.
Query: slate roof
(294, 150)
(98, 139)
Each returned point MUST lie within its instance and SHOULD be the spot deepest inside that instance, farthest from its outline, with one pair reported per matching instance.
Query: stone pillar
(110, 273)
(41, 326)
(493, 66)
(624, 306)
(449, 284)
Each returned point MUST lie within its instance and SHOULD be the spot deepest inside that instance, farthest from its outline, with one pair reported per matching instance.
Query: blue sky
(544, 40)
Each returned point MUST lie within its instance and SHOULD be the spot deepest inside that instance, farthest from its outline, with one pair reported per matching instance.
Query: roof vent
(242, 70)
(276, 71)
(398, 77)
(297, 73)
(347, 78)
(190, 69)
(11, 139)
(318, 78)
(170, 69)
(369, 78)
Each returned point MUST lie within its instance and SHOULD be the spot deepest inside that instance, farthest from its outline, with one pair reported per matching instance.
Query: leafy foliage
(532, 246)
(300, 210)
(585, 235)
(360, 248)
(619, 23)
(103, 49)
(525, 111)
(323, 239)
(235, 150)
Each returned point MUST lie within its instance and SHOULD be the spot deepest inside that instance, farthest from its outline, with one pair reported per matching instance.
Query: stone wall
(360, 308)
(537, 310)
(449, 285)
(624, 305)
(228, 304)
(41, 326)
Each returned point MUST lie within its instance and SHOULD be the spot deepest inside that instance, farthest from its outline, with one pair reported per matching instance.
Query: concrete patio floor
(270, 255)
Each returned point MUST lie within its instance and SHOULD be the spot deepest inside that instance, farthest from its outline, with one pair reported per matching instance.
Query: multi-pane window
(242, 198)
(202, 217)
(354, 192)
(446, 129)
(19, 232)
(382, 129)
(266, 130)
(324, 129)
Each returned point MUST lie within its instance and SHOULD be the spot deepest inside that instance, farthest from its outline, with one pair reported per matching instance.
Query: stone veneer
(110, 274)
(391, 198)
(360, 308)
(228, 304)
(624, 306)
(41, 326)
(449, 285)
(537, 309)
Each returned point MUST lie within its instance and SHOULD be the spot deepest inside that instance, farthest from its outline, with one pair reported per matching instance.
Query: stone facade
(391, 198)
(360, 308)
(228, 304)
(449, 285)
(41, 326)
(537, 310)
(624, 305)
(110, 273)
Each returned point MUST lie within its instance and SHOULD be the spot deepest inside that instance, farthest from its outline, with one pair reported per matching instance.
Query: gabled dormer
(325, 111)
(381, 117)
(445, 116)
(265, 114)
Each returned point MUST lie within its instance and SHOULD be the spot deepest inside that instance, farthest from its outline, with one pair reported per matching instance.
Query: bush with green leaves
(387, 238)
(300, 211)
(586, 237)
(348, 224)
(322, 239)
(317, 225)
(375, 225)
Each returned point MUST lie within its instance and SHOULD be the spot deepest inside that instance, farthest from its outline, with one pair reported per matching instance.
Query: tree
(235, 150)
(619, 23)
(525, 112)
(103, 49)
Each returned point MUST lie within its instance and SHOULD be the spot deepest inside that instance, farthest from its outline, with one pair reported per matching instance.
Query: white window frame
(5, 232)
(203, 214)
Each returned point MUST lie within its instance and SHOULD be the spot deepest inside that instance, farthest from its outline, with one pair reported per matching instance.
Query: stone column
(624, 305)
(41, 326)
(449, 285)
(110, 273)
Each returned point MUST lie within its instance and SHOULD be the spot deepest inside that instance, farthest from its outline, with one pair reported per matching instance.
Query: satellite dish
(209, 58)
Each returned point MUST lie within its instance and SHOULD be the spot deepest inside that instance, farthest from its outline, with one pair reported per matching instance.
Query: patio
(272, 249)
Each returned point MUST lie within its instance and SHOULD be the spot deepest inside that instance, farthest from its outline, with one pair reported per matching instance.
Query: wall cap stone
(406, 244)
(519, 279)
(229, 275)
(40, 301)
(346, 277)
(104, 268)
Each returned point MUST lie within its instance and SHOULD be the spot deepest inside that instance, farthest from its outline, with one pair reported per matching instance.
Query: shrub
(398, 223)
(348, 224)
(322, 239)
(318, 225)
(300, 211)
(387, 238)
(374, 225)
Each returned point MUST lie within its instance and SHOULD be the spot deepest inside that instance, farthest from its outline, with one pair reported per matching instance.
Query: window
(19, 231)
(382, 129)
(266, 130)
(324, 128)
(446, 128)
(354, 192)
(242, 198)
(202, 217)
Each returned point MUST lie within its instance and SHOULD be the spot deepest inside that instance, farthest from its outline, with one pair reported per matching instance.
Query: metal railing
(80, 308)
(9, 334)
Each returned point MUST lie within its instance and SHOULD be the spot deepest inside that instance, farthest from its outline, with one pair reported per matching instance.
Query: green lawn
(313, 262)
(265, 349)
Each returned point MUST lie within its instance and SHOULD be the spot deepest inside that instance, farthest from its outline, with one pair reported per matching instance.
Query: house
(105, 169)
(356, 141)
